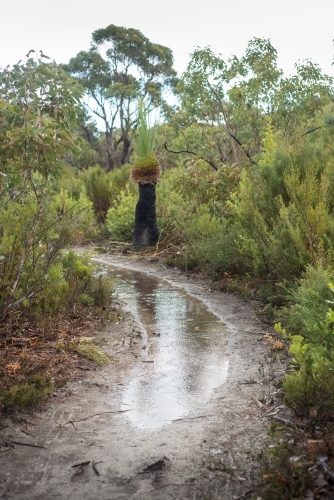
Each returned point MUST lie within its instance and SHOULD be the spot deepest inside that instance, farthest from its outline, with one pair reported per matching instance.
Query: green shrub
(309, 390)
(24, 394)
(76, 216)
(208, 244)
(307, 301)
(99, 191)
(120, 219)
(70, 181)
(83, 285)
(102, 290)
(283, 209)
(103, 189)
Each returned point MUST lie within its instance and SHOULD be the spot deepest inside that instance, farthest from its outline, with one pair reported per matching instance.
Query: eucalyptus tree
(121, 66)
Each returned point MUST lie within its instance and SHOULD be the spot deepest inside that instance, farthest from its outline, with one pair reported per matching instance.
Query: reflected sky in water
(186, 342)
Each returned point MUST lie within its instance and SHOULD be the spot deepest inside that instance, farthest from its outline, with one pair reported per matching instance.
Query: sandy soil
(209, 454)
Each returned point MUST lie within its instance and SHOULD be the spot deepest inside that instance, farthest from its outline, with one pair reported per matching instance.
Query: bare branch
(310, 131)
(240, 144)
(191, 153)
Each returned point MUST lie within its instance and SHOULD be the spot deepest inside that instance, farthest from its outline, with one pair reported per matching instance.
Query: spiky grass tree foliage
(146, 173)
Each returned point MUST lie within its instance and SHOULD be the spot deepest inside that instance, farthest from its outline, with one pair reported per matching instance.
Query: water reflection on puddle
(186, 342)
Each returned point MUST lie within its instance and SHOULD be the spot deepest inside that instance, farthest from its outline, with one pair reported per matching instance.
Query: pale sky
(297, 29)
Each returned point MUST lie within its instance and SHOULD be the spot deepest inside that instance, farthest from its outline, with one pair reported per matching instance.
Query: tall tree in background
(122, 66)
(228, 102)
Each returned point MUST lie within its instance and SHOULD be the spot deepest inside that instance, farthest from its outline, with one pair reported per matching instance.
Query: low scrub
(27, 393)
(309, 389)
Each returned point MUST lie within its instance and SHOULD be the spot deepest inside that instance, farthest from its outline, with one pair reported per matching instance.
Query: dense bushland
(246, 193)
(249, 197)
(39, 218)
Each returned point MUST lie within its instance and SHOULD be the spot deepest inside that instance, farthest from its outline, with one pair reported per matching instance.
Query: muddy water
(184, 353)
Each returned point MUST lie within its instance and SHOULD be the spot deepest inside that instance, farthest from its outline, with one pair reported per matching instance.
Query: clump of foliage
(82, 283)
(309, 389)
(146, 168)
(87, 348)
(307, 300)
(77, 213)
(103, 189)
(120, 218)
(23, 394)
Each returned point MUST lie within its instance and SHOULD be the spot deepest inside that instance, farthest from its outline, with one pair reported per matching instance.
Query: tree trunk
(111, 156)
(146, 232)
(126, 151)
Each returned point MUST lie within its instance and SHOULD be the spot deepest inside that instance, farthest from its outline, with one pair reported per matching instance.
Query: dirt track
(208, 454)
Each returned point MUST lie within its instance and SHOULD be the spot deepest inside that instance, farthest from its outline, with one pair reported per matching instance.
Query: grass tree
(146, 173)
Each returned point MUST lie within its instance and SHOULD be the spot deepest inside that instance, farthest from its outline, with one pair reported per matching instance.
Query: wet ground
(171, 417)
(185, 352)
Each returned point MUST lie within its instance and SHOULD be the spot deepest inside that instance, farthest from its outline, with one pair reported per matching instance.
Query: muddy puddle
(184, 352)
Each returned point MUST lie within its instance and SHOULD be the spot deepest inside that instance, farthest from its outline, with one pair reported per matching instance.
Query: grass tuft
(86, 347)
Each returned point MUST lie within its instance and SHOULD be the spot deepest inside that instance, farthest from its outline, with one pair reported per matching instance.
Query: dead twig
(26, 432)
(24, 444)
(80, 469)
(94, 464)
(245, 495)
(81, 464)
(191, 418)
(245, 331)
(265, 414)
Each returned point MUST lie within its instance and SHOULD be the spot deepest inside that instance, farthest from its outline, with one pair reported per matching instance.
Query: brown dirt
(208, 454)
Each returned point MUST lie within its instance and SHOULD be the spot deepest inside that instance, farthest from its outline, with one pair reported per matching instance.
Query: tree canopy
(232, 100)
(121, 66)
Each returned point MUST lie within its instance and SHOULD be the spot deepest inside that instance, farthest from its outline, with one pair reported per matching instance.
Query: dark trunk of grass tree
(145, 232)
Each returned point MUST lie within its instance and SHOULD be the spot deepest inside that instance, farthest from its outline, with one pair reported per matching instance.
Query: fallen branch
(289, 423)
(91, 416)
(265, 414)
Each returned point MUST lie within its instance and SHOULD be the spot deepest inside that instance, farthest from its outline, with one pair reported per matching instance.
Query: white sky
(297, 29)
